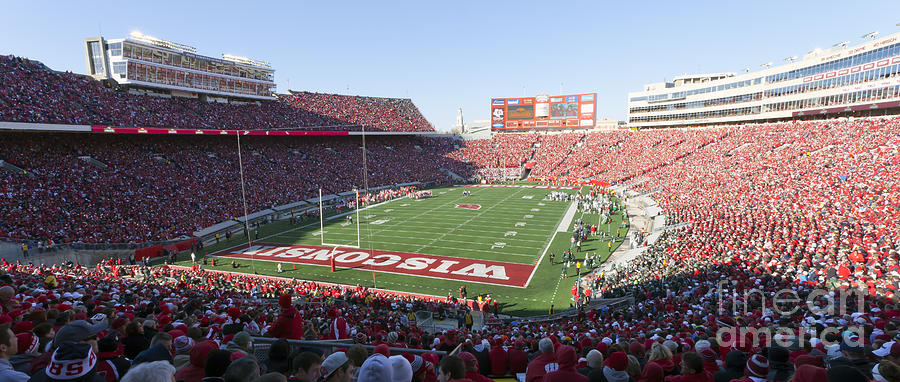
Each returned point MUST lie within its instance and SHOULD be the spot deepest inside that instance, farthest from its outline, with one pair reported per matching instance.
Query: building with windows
(144, 62)
(843, 81)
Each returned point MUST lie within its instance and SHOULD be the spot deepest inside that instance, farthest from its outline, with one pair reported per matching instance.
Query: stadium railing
(261, 347)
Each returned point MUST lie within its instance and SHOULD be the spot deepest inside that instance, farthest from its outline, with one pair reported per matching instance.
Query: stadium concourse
(801, 212)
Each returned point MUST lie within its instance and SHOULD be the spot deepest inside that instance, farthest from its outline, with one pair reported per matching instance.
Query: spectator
(691, 370)
(472, 368)
(377, 368)
(499, 360)
(735, 361)
(79, 331)
(71, 361)
(543, 363)
(26, 351)
(8, 347)
(306, 367)
(183, 346)
(134, 341)
(111, 365)
(337, 368)
(195, 372)
(566, 358)
(244, 369)
(401, 370)
(594, 362)
(240, 344)
(157, 371)
(278, 358)
(217, 363)
(451, 368)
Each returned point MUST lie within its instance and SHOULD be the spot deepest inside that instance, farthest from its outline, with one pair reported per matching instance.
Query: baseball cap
(889, 348)
(76, 331)
(334, 362)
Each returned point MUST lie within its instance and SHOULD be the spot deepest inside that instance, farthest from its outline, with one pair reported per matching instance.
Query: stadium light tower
(746, 70)
(791, 58)
(767, 65)
(871, 35)
(841, 44)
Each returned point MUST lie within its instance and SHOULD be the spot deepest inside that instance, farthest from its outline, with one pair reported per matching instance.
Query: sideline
(311, 224)
(563, 226)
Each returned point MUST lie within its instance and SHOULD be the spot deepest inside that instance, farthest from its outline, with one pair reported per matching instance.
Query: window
(115, 49)
(118, 67)
(96, 55)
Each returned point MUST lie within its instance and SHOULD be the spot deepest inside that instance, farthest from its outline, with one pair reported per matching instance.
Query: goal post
(322, 224)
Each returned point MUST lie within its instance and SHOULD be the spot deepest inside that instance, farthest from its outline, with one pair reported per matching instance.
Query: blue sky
(450, 54)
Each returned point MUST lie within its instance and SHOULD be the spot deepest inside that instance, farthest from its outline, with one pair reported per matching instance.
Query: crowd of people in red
(158, 188)
(794, 207)
(31, 92)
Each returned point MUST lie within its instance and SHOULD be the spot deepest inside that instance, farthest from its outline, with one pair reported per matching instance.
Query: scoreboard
(543, 112)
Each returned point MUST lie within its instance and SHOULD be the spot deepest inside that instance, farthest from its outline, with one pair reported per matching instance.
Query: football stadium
(167, 214)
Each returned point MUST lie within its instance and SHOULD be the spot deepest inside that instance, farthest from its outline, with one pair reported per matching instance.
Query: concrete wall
(84, 257)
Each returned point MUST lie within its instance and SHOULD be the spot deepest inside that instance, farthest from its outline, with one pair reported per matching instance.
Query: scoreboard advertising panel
(543, 111)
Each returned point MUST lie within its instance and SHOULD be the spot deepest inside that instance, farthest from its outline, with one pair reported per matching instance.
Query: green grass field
(435, 226)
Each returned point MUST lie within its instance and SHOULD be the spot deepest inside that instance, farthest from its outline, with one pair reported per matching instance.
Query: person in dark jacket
(780, 367)
(735, 361)
(157, 352)
(134, 340)
(111, 366)
(217, 363)
(27, 351)
(279, 357)
(483, 354)
(594, 362)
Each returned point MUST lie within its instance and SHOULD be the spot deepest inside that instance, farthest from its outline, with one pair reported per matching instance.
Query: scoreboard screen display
(542, 111)
(520, 112)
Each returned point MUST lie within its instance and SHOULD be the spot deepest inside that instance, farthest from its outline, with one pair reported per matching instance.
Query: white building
(842, 81)
(144, 62)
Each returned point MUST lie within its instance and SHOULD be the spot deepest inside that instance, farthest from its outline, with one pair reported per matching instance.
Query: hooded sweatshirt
(652, 373)
(613, 375)
(499, 359)
(194, 372)
(567, 359)
(669, 367)
(810, 373)
(539, 366)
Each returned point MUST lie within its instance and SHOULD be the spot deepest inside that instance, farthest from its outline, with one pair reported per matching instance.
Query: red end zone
(412, 264)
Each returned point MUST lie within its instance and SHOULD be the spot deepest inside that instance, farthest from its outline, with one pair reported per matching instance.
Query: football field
(494, 241)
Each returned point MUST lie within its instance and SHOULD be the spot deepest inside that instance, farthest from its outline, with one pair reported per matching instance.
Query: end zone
(410, 264)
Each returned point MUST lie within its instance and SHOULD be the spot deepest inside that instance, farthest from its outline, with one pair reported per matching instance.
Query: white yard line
(563, 226)
(477, 215)
(312, 224)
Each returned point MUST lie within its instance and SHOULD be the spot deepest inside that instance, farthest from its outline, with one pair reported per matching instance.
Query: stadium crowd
(158, 188)
(796, 207)
(31, 92)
